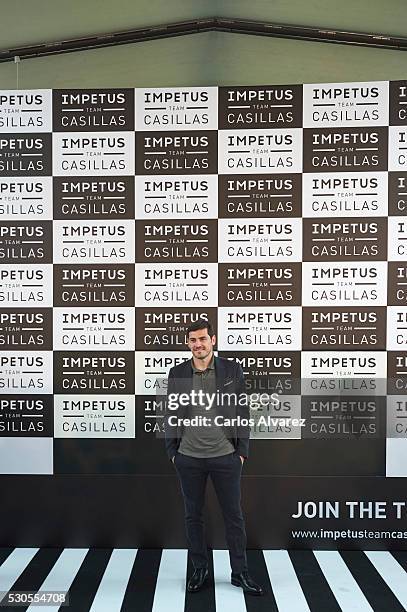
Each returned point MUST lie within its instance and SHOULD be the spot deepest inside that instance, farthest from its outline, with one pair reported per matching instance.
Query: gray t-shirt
(201, 441)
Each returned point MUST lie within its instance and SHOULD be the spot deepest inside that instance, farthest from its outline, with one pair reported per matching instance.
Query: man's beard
(203, 356)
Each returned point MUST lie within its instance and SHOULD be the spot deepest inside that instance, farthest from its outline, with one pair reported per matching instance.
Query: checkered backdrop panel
(276, 212)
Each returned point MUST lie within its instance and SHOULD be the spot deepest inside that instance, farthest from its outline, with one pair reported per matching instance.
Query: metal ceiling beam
(212, 24)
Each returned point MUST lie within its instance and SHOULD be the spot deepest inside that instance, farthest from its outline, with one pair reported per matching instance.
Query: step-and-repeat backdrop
(276, 212)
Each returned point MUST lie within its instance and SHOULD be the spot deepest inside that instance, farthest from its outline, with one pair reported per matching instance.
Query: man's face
(201, 343)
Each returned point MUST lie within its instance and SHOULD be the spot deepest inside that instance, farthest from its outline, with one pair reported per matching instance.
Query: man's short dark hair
(200, 324)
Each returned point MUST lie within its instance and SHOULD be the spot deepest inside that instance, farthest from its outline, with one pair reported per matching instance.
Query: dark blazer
(229, 379)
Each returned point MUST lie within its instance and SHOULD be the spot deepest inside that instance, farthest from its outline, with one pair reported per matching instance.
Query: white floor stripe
(341, 582)
(170, 587)
(61, 576)
(14, 565)
(227, 596)
(391, 572)
(111, 591)
(284, 582)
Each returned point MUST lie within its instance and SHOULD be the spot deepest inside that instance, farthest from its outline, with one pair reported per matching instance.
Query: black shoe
(248, 585)
(195, 583)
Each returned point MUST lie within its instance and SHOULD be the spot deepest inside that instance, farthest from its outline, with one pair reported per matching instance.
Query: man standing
(206, 448)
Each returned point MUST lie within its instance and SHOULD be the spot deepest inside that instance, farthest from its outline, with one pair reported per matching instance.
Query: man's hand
(241, 459)
(173, 459)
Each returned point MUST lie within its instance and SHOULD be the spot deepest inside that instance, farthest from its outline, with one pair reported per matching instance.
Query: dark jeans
(225, 472)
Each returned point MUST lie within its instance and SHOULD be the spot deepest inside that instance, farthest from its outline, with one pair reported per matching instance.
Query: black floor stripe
(87, 579)
(4, 553)
(34, 574)
(372, 585)
(258, 571)
(204, 600)
(140, 590)
(313, 582)
(401, 557)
